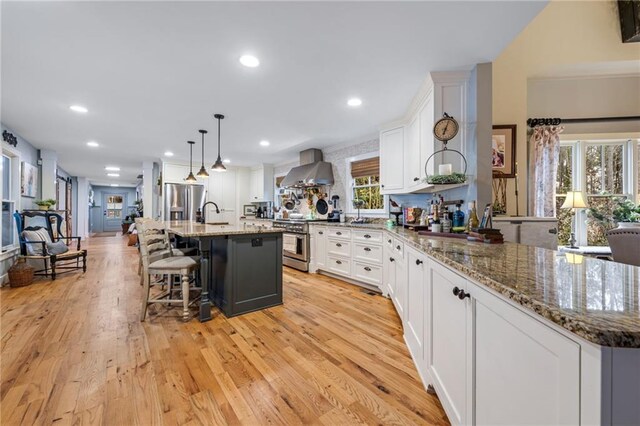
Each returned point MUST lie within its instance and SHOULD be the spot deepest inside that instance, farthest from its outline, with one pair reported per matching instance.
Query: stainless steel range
(295, 245)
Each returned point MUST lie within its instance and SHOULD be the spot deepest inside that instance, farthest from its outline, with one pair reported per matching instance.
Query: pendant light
(203, 172)
(218, 166)
(191, 178)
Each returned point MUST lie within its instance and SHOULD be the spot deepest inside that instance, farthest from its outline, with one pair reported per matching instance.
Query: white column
(147, 188)
(49, 168)
(82, 209)
(484, 129)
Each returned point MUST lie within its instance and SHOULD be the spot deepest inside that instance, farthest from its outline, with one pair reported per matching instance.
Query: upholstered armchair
(625, 245)
(50, 253)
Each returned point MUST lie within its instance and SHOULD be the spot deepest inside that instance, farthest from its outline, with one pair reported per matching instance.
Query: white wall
(586, 97)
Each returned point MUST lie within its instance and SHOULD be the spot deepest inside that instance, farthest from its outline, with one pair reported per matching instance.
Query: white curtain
(543, 169)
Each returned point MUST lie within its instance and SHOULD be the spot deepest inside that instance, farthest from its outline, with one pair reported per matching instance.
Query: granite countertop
(595, 299)
(185, 228)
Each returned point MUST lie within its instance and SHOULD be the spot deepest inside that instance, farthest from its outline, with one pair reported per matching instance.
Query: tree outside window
(367, 189)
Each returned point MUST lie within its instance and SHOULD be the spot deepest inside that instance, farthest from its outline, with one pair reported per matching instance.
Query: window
(365, 185)
(602, 170)
(8, 204)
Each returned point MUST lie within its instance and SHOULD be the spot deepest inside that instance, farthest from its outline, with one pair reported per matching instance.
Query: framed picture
(28, 180)
(249, 210)
(503, 143)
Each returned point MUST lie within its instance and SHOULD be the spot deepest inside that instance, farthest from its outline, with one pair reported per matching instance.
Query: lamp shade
(574, 200)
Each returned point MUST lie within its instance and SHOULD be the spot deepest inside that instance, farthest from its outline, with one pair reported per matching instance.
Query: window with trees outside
(365, 174)
(606, 171)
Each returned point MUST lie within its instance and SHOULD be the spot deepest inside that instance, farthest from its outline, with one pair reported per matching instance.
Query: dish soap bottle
(458, 217)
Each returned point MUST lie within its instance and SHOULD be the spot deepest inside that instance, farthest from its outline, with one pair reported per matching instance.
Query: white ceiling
(153, 73)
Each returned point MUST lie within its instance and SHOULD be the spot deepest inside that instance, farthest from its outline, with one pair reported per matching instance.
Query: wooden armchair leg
(53, 268)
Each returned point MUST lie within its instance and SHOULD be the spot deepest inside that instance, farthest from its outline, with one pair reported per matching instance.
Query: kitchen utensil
(289, 205)
(322, 207)
(334, 201)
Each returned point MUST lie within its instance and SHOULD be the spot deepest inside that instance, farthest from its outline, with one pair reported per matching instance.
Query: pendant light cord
(202, 149)
(218, 137)
(190, 158)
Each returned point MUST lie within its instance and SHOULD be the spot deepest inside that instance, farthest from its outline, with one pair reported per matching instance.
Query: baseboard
(350, 281)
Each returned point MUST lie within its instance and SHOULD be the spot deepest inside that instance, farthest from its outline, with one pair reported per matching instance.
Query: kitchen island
(241, 266)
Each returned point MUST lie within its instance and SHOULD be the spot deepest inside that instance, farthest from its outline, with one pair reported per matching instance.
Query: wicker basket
(20, 274)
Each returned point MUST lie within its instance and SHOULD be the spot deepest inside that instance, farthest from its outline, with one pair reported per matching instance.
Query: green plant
(607, 216)
(626, 211)
(453, 178)
(48, 203)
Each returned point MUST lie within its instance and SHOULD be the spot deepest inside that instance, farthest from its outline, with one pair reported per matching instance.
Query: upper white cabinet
(404, 172)
(177, 173)
(392, 168)
(261, 184)
(222, 191)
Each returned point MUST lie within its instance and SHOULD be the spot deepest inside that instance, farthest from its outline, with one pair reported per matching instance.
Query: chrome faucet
(202, 219)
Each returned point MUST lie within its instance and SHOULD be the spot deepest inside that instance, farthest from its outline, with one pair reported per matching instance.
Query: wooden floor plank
(75, 352)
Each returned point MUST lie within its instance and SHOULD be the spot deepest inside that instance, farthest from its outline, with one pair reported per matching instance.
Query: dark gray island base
(241, 266)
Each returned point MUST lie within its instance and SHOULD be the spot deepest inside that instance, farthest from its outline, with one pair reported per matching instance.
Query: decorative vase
(628, 224)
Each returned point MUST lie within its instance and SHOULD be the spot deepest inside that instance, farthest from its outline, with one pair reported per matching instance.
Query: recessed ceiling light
(114, 184)
(264, 143)
(78, 108)
(249, 61)
(168, 154)
(354, 102)
(113, 174)
(93, 144)
(112, 169)
(226, 160)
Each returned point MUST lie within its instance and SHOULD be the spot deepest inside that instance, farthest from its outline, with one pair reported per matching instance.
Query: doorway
(113, 206)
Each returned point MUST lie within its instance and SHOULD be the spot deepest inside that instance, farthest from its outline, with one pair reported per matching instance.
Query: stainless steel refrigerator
(182, 201)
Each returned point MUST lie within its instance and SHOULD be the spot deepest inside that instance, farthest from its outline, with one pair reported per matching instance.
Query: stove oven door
(296, 246)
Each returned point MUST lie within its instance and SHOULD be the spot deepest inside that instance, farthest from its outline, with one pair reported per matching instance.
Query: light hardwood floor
(75, 352)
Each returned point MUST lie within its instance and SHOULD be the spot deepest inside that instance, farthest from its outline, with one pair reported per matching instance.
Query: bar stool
(155, 253)
(171, 251)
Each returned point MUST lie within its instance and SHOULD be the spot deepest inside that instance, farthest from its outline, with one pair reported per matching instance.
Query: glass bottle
(474, 222)
(445, 222)
(458, 217)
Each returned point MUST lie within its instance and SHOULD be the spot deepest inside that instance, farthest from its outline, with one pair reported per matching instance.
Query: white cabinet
(427, 144)
(392, 161)
(400, 294)
(531, 231)
(351, 253)
(318, 247)
(222, 191)
(405, 172)
(416, 312)
(412, 160)
(262, 184)
(450, 343)
(523, 368)
(389, 272)
(177, 173)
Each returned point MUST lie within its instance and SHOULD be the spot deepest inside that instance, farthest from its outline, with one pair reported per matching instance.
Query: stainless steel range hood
(313, 171)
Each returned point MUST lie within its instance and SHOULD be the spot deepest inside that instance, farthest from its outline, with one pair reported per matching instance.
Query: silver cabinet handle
(366, 268)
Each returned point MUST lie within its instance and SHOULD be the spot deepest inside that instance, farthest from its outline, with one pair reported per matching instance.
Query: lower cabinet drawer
(339, 247)
(341, 233)
(338, 265)
(367, 252)
(368, 273)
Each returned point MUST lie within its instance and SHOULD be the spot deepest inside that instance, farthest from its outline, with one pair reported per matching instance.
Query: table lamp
(575, 200)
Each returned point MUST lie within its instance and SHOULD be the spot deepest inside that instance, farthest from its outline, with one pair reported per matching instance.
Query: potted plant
(619, 212)
(45, 204)
(627, 214)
